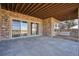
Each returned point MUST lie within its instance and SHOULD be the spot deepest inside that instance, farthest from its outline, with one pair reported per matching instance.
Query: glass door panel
(34, 28)
(16, 28)
(24, 28)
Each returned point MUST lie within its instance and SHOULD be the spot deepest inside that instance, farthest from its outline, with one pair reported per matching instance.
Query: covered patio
(39, 29)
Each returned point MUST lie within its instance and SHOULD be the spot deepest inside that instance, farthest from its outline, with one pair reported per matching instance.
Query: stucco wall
(5, 26)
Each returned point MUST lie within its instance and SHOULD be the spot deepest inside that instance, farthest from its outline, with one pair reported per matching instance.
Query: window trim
(37, 29)
(14, 19)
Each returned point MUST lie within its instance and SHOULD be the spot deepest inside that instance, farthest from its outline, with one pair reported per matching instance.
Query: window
(15, 28)
(24, 28)
(34, 28)
(56, 27)
(19, 28)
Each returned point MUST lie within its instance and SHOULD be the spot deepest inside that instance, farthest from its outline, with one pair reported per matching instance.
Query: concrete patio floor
(39, 46)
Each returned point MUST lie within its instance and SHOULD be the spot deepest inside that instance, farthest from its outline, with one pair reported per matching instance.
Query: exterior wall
(45, 26)
(4, 28)
(5, 25)
(48, 28)
(54, 21)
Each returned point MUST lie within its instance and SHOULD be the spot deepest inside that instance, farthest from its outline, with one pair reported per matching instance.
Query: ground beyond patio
(39, 46)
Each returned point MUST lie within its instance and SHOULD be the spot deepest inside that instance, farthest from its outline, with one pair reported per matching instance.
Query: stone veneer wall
(48, 28)
(5, 25)
(4, 28)
(53, 22)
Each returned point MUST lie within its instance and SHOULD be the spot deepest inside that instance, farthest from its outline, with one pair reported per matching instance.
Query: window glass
(19, 28)
(16, 28)
(34, 28)
(24, 28)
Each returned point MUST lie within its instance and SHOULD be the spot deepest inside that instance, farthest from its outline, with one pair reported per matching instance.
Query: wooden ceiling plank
(26, 7)
(27, 12)
(22, 7)
(50, 5)
(4, 6)
(12, 6)
(60, 8)
(42, 13)
(39, 8)
(46, 8)
(68, 8)
(46, 14)
(0, 6)
(8, 6)
(55, 6)
(16, 7)
(35, 8)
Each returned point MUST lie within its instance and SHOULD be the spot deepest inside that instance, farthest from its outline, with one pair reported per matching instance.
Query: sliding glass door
(34, 28)
(24, 28)
(16, 28)
(19, 28)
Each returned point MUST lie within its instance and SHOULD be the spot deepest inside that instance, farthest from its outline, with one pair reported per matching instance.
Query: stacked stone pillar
(4, 25)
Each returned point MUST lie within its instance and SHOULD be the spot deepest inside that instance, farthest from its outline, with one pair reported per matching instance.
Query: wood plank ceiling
(61, 11)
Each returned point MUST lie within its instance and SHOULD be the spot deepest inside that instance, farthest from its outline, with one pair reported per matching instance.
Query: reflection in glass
(16, 28)
(34, 28)
(19, 28)
(24, 28)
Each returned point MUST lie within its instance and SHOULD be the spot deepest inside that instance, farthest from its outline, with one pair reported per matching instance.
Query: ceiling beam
(44, 5)
(8, 6)
(34, 8)
(30, 8)
(44, 8)
(49, 6)
(22, 7)
(12, 6)
(16, 7)
(61, 7)
(26, 8)
(0, 6)
(68, 9)
(45, 12)
(41, 10)
(58, 13)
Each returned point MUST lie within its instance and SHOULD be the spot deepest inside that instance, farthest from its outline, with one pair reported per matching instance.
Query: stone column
(4, 24)
(47, 27)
